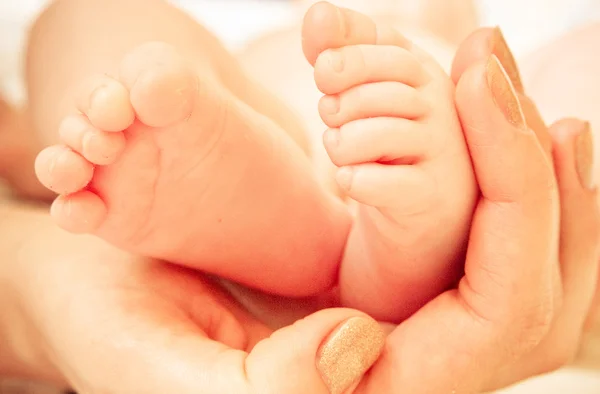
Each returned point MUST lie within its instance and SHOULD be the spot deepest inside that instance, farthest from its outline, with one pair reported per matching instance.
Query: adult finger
(579, 253)
(324, 353)
(481, 44)
(191, 338)
(503, 305)
(518, 194)
(580, 219)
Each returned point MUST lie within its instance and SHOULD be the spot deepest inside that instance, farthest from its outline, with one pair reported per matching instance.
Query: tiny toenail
(59, 157)
(331, 138)
(503, 53)
(90, 142)
(67, 208)
(96, 95)
(336, 60)
(89, 138)
(344, 177)
(330, 104)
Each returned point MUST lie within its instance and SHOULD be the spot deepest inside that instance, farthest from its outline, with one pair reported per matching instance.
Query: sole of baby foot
(165, 162)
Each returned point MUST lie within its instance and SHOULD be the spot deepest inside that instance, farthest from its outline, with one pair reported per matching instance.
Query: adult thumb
(327, 352)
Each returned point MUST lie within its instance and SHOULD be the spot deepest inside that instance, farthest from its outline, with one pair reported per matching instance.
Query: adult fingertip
(504, 93)
(327, 352)
(506, 154)
(501, 50)
(349, 352)
(477, 47)
(480, 45)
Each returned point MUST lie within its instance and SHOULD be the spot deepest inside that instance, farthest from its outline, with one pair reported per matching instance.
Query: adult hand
(570, 142)
(108, 322)
(519, 309)
(528, 275)
(105, 322)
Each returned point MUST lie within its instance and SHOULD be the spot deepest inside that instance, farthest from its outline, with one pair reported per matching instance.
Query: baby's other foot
(165, 162)
(397, 140)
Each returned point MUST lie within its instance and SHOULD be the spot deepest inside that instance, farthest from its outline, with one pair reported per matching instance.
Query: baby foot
(396, 138)
(166, 163)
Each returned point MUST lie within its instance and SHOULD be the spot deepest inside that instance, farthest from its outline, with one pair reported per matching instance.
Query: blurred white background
(525, 23)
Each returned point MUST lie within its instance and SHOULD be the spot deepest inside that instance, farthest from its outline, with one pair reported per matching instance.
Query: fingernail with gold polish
(349, 352)
(503, 53)
(504, 93)
(584, 156)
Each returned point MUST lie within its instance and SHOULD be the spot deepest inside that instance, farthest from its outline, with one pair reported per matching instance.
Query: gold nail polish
(584, 156)
(504, 93)
(349, 352)
(536, 123)
(503, 53)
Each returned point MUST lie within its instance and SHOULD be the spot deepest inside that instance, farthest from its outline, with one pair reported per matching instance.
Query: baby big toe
(163, 86)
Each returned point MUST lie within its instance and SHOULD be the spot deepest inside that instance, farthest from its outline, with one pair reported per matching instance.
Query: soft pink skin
(466, 341)
(167, 163)
(396, 138)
